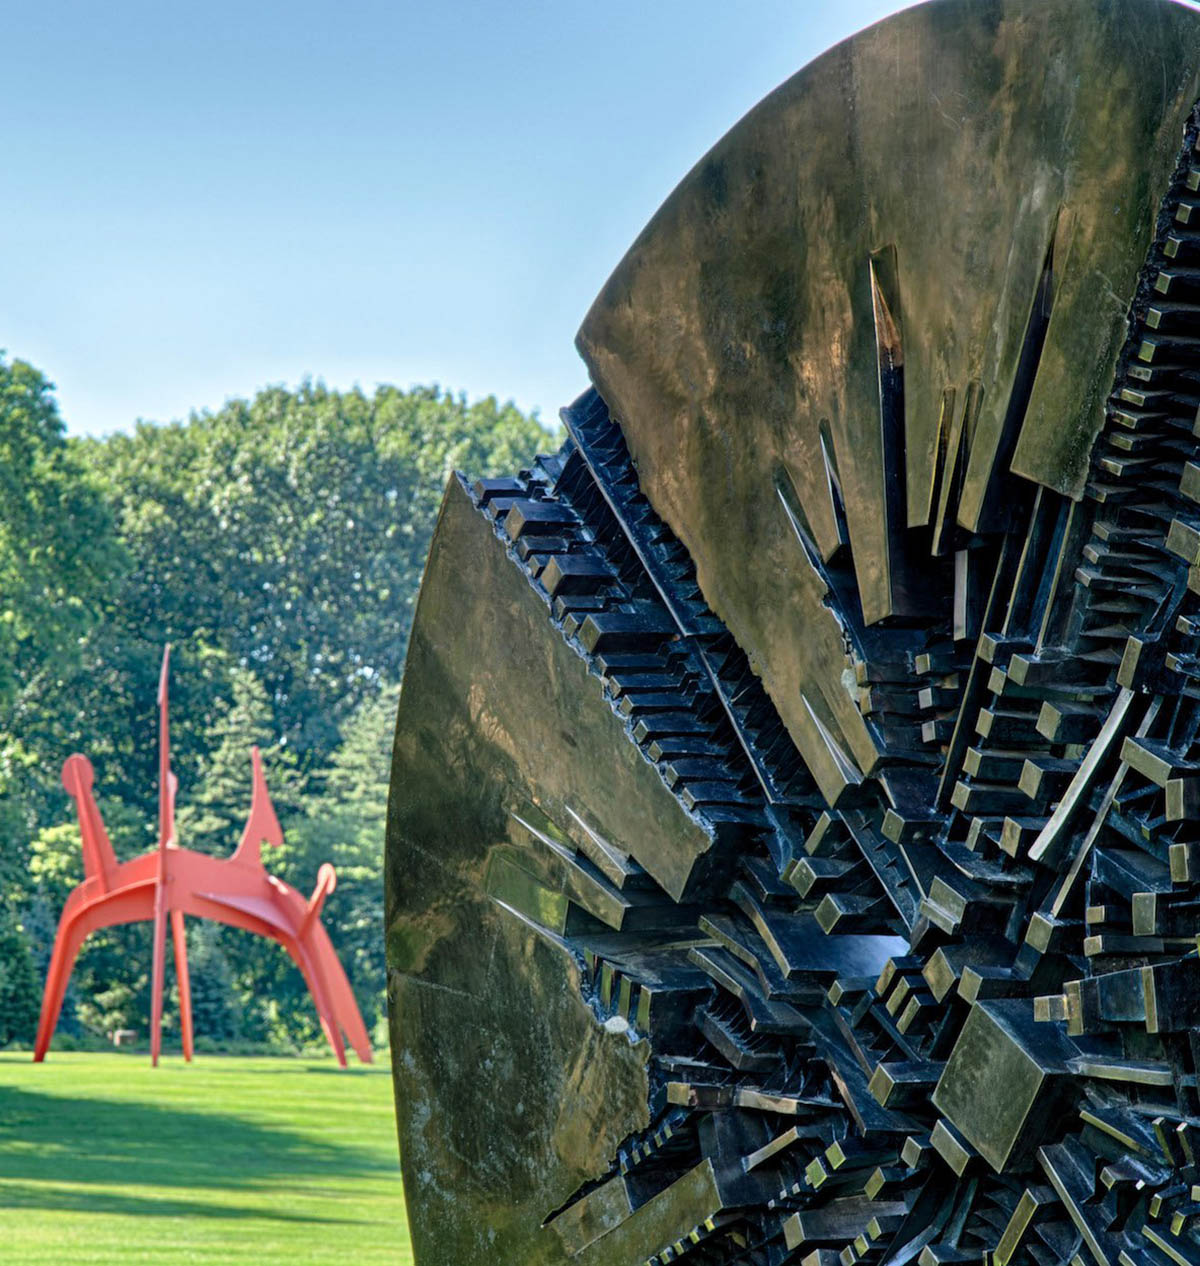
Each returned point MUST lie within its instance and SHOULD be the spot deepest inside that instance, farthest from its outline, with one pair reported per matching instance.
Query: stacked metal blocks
(794, 843)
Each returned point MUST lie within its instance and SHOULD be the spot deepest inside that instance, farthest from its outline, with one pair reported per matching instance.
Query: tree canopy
(278, 545)
(58, 553)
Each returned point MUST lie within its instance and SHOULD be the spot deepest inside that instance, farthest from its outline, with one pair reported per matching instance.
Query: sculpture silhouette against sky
(173, 882)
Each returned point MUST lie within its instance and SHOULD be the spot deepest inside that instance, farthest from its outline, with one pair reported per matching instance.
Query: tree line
(278, 545)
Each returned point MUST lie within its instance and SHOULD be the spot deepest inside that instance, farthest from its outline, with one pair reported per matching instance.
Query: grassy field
(227, 1161)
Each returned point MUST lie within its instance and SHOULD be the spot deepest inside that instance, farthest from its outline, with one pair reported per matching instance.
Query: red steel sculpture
(172, 882)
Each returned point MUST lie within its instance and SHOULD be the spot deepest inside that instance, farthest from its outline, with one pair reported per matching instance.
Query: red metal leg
(302, 952)
(69, 938)
(179, 939)
(157, 972)
(341, 996)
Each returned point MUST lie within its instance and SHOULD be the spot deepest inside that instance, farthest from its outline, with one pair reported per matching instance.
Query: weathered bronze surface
(493, 1019)
(942, 161)
(794, 842)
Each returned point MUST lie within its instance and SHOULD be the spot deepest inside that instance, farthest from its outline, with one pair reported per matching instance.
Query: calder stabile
(172, 883)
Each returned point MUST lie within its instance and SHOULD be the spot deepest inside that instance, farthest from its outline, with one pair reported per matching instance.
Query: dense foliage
(278, 546)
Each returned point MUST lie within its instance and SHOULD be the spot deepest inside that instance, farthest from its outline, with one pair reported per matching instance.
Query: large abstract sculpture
(173, 882)
(794, 839)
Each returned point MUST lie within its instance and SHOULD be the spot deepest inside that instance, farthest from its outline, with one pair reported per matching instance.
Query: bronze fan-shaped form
(794, 841)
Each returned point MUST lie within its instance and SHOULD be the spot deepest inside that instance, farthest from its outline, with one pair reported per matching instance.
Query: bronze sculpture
(793, 844)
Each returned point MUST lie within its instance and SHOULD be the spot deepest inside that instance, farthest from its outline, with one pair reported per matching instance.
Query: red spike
(99, 860)
(166, 798)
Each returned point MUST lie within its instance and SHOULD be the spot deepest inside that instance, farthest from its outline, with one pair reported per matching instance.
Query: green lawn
(226, 1161)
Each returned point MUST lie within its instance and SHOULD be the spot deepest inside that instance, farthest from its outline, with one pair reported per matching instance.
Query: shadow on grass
(64, 1200)
(95, 1142)
(330, 1069)
(355, 1070)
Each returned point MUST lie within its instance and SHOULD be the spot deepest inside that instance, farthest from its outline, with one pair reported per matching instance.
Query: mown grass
(225, 1161)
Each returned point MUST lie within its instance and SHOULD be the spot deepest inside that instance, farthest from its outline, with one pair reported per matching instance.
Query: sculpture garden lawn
(226, 1161)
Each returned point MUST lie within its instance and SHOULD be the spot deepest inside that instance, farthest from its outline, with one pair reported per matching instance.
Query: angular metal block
(1000, 1085)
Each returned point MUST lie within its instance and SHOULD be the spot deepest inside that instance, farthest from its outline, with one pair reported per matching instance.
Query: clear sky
(197, 200)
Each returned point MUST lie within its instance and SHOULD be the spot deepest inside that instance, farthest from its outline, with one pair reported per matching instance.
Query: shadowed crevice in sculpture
(833, 482)
(953, 472)
(889, 355)
(991, 507)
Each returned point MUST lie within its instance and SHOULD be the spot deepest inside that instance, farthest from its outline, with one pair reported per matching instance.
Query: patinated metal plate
(794, 839)
(943, 159)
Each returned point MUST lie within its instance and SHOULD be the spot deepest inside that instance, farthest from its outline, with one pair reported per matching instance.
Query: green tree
(20, 996)
(344, 824)
(59, 561)
(212, 812)
(289, 533)
(115, 1007)
(58, 555)
(216, 1013)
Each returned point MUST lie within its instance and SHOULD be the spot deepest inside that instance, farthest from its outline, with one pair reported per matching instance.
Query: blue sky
(201, 199)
